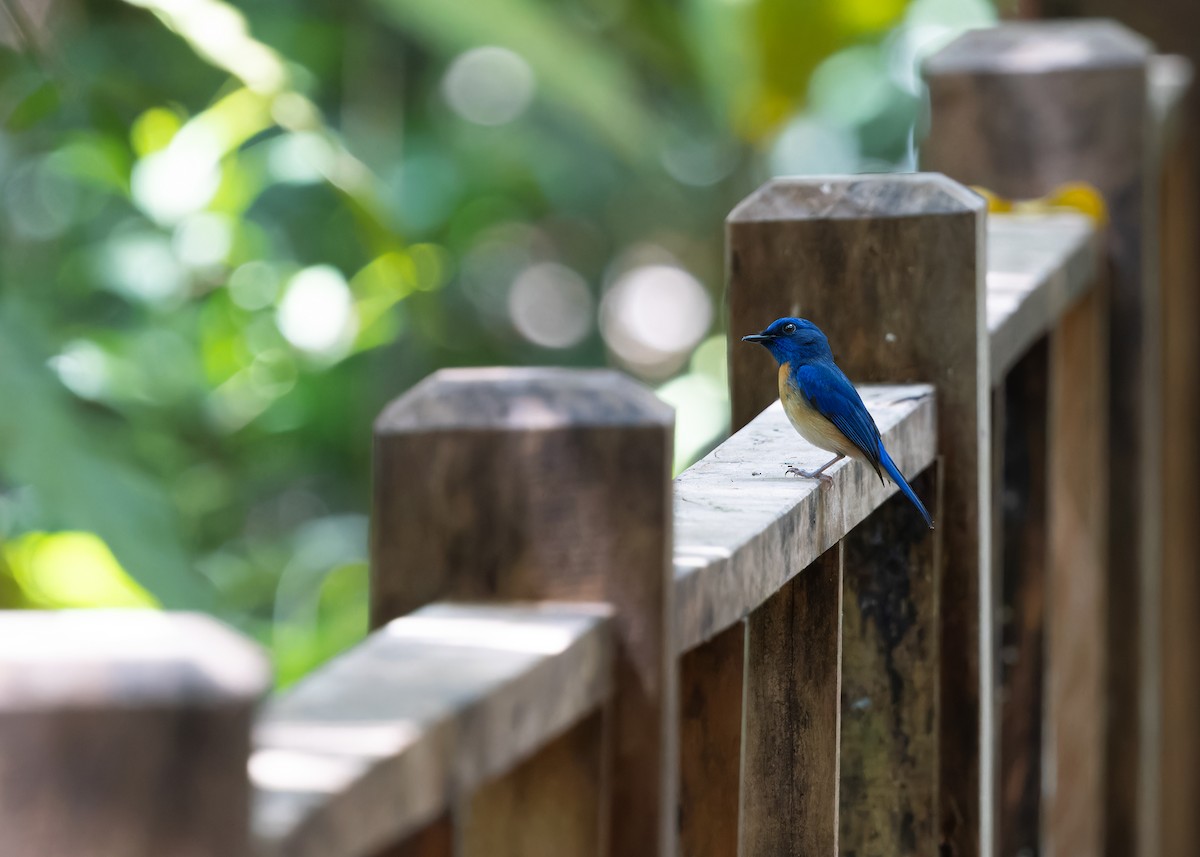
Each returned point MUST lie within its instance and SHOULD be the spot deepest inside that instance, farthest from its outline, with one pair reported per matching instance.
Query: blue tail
(902, 483)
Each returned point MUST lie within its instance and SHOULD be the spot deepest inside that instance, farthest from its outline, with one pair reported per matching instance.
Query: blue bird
(823, 405)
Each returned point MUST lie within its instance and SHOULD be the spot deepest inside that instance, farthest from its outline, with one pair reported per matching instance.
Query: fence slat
(892, 269)
(711, 679)
(889, 682)
(1076, 603)
(125, 734)
(435, 840)
(552, 806)
(1021, 109)
(793, 689)
(529, 484)
(1021, 569)
(1180, 223)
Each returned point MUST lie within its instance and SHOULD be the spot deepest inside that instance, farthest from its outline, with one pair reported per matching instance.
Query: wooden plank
(434, 840)
(793, 680)
(1022, 571)
(711, 678)
(892, 269)
(1038, 266)
(545, 483)
(124, 734)
(1180, 223)
(743, 528)
(1020, 109)
(383, 740)
(1076, 603)
(552, 805)
(889, 682)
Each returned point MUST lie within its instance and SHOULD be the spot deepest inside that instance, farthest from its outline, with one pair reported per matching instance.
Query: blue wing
(831, 393)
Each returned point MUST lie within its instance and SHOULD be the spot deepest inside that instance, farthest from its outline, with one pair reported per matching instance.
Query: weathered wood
(1022, 570)
(124, 734)
(385, 739)
(743, 528)
(1020, 109)
(544, 483)
(889, 682)
(711, 678)
(434, 840)
(1038, 266)
(552, 805)
(891, 268)
(793, 680)
(1075, 632)
(1180, 224)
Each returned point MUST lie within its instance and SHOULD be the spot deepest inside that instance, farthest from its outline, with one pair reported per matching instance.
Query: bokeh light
(316, 314)
(652, 317)
(488, 85)
(550, 305)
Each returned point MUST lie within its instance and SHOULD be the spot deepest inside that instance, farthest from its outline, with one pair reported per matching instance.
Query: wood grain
(889, 682)
(793, 679)
(1021, 109)
(1038, 266)
(743, 528)
(1022, 571)
(382, 741)
(1180, 223)
(434, 840)
(125, 734)
(528, 484)
(711, 678)
(551, 805)
(1076, 588)
(892, 269)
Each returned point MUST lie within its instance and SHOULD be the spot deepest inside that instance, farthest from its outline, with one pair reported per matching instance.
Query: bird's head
(793, 340)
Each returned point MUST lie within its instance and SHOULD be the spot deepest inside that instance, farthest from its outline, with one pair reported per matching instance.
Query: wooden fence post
(889, 754)
(792, 725)
(892, 269)
(545, 484)
(1021, 109)
(125, 734)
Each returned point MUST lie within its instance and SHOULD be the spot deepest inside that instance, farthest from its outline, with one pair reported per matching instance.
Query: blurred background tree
(229, 234)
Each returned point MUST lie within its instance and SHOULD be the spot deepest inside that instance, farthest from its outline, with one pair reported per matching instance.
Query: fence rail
(574, 654)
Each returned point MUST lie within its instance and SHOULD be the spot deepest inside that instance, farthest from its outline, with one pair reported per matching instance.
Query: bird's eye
(789, 328)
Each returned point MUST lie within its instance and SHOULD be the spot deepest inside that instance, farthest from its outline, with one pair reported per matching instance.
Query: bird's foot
(826, 479)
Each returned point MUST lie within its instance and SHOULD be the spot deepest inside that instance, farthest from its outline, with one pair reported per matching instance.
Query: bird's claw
(826, 479)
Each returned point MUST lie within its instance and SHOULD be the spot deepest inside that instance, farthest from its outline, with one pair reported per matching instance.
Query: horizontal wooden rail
(1038, 266)
(381, 741)
(743, 528)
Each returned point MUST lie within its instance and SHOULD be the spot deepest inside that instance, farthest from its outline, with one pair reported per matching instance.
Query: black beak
(758, 337)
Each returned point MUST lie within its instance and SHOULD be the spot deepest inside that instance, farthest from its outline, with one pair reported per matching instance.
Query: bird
(823, 405)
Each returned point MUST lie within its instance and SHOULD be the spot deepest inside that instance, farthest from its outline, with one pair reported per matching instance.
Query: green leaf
(581, 75)
(84, 479)
(39, 104)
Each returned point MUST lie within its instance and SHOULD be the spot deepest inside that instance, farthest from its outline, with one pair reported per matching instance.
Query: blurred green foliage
(230, 234)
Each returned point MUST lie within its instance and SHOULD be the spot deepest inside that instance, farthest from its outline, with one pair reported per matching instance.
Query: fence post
(892, 269)
(1021, 109)
(125, 734)
(544, 484)
(889, 771)
(792, 691)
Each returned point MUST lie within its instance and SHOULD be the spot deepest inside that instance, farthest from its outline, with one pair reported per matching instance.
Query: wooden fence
(575, 655)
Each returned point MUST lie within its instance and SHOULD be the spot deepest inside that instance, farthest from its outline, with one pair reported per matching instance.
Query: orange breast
(809, 422)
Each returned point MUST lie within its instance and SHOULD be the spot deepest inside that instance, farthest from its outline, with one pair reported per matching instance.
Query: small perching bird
(823, 405)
